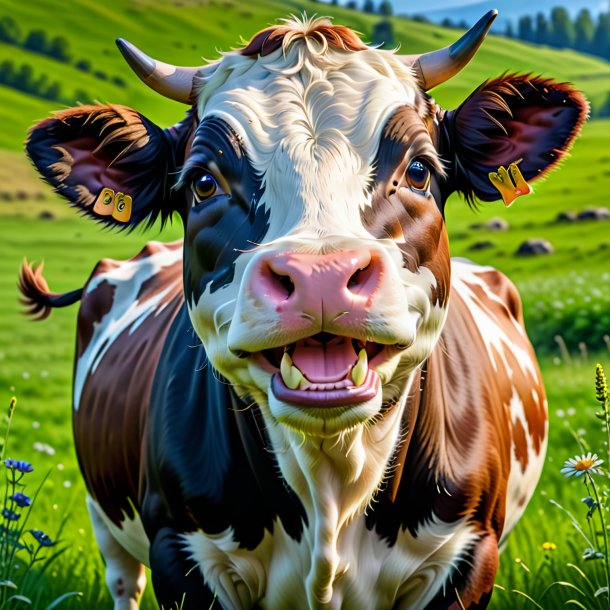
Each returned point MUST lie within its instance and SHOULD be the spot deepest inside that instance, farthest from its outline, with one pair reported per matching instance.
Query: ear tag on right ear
(122, 207)
(510, 183)
(104, 204)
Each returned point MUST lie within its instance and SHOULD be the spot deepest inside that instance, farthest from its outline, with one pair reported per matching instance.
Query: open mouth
(324, 370)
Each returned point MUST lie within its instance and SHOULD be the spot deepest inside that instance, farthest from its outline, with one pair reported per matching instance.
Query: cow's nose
(321, 286)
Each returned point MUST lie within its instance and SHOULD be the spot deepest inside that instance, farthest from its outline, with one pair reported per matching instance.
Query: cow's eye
(204, 187)
(418, 175)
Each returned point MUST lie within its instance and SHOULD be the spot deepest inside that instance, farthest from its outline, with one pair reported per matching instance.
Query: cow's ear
(111, 162)
(513, 118)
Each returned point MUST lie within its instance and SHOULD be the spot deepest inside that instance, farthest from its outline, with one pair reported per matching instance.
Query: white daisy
(582, 464)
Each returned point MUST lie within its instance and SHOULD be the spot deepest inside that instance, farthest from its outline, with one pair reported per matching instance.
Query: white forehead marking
(311, 118)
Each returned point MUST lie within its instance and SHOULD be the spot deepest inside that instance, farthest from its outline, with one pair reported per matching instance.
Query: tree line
(22, 77)
(583, 33)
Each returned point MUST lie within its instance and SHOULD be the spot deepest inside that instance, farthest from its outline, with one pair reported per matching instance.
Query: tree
(601, 37)
(53, 92)
(368, 6)
(7, 72)
(383, 34)
(509, 33)
(352, 4)
(583, 31)
(59, 48)
(543, 31)
(526, 28)
(24, 79)
(84, 65)
(385, 8)
(9, 30)
(36, 41)
(562, 28)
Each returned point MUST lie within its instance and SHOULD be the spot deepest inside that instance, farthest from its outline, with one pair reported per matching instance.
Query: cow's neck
(336, 478)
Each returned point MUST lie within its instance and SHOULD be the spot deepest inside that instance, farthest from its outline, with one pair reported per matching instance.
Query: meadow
(566, 293)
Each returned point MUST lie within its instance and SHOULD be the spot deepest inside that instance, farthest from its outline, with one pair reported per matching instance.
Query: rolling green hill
(182, 32)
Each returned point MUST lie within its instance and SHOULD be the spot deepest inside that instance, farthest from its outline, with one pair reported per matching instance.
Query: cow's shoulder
(489, 285)
(126, 312)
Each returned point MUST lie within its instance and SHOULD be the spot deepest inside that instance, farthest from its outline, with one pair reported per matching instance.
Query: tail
(36, 297)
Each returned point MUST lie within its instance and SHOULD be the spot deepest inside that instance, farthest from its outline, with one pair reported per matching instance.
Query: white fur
(126, 312)
(125, 575)
(370, 573)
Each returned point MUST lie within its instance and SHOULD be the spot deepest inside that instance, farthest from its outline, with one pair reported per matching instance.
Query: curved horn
(171, 81)
(432, 69)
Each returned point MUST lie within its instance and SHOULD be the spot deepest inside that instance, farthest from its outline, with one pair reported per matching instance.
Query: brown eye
(205, 187)
(418, 175)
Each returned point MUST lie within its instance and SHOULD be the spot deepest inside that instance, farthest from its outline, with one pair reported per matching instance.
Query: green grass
(36, 359)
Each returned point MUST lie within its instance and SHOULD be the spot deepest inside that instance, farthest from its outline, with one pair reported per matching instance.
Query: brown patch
(271, 39)
(520, 444)
(95, 306)
(479, 584)
(110, 422)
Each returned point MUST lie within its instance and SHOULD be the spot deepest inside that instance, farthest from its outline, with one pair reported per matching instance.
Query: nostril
(285, 281)
(281, 284)
(358, 278)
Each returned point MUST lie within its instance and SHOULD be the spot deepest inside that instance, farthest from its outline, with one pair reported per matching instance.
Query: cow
(305, 403)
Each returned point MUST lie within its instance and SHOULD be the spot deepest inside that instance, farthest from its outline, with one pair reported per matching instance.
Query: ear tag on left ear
(104, 204)
(122, 207)
(510, 183)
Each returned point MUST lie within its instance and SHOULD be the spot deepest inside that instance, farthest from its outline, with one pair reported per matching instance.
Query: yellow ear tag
(104, 204)
(122, 207)
(510, 183)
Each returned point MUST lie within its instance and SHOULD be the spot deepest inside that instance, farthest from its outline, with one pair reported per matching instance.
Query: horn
(432, 69)
(170, 81)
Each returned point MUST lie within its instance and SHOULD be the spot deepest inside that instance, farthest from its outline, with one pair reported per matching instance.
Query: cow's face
(316, 258)
(311, 176)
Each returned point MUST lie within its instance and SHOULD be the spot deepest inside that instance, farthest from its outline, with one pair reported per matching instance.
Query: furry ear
(111, 162)
(512, 118)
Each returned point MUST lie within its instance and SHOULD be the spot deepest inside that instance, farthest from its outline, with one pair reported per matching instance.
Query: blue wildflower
(20, 465)
(10, 515)
(42, 538)
(21, 500)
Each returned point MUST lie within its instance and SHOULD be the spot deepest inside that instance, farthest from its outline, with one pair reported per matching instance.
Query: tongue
(325, 363)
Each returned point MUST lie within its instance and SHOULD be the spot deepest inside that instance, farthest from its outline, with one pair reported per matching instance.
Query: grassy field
(35, 364)
(565, 293)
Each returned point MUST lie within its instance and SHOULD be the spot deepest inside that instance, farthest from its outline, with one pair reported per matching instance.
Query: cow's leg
(125, 575)
(176, 577)
(473, 581)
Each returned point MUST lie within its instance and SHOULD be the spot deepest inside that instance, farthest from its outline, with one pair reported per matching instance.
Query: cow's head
(311, 174)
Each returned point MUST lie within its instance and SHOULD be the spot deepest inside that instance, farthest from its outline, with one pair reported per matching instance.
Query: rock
(493, 224)
(497, 224)
(46, 215)
(482, 245)
(600, 213)
(534, 246)
(566, 216)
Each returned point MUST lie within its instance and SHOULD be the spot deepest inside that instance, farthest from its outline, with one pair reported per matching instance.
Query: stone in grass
(482, 245)
(534, 247)
(497, 224)
(566, 216)
(600, 213)
(46, 215)
(493, 224)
